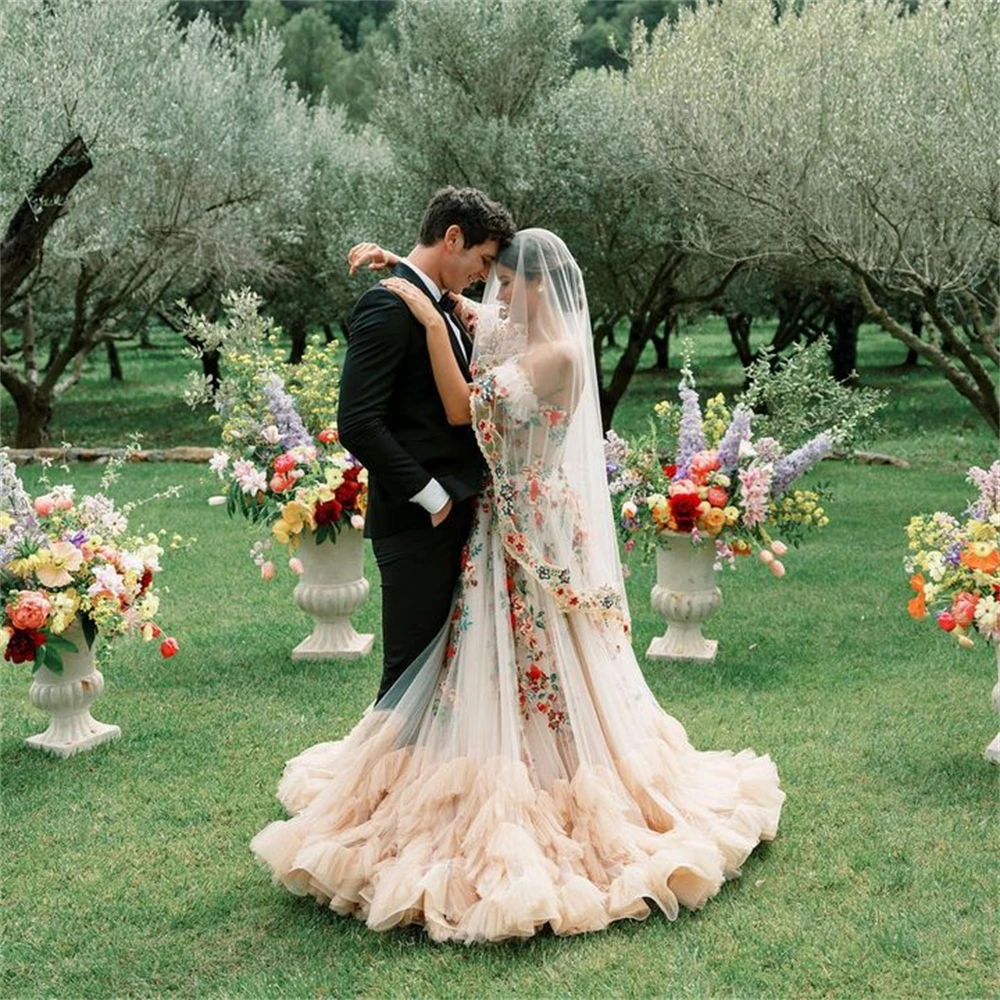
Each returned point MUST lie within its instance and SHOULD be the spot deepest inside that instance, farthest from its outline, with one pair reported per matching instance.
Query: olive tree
(201, 156)
(465, 93)
(853, 136)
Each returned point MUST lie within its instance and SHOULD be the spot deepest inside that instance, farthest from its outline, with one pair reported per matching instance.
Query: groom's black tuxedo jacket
(391, 417)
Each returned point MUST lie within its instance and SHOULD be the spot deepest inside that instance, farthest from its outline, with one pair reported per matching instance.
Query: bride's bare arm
(451, 384)
(377, 258)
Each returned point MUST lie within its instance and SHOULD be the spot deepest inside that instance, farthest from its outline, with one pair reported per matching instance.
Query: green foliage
(795, 397)
(311, 53)
(465, 96)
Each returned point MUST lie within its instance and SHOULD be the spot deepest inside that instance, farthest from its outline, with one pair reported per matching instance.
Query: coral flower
(917, 606)
(982, 556)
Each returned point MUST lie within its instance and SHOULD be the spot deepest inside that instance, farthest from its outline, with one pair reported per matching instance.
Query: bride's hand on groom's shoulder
(377, 258)
(418, 303)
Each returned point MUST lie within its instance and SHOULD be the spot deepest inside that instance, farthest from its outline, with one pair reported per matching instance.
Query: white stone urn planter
(992, 752)
(67, 698)
(332, 588)
(685, 595)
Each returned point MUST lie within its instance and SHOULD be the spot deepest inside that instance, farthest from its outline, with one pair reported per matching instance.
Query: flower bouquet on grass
(281, 462)
(954, 564)
(704, 472)
(67, 558)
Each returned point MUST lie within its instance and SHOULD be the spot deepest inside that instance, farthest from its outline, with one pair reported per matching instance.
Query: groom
(423, 473)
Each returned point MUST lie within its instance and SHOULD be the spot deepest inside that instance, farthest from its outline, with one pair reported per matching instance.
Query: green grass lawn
(127, 871)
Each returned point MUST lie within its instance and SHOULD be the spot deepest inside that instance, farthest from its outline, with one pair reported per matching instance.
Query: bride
(520, 772)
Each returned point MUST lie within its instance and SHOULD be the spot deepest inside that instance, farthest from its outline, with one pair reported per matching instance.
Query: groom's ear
(454, 239)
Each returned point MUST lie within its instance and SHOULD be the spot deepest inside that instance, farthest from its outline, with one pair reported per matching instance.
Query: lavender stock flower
(988, 483)
(737, 432)
(793, 465)
(691, 438)
(286, 418)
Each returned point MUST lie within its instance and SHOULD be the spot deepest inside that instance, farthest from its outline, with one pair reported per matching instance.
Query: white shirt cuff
(432, 497)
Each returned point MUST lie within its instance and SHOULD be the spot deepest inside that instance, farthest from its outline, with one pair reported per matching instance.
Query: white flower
(150, 554)
(357, 522)
(629, 509)
(988, 618)
(217, 501)
(747, 450)
(218, 463)
(271, 434)
(936, 566)
(250, 478)
(107, 578)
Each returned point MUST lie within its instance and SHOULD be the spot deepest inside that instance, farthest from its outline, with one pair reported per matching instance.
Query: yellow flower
(295, 516)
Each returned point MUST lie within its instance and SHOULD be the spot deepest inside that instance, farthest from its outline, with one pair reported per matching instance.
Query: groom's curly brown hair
(478, 217)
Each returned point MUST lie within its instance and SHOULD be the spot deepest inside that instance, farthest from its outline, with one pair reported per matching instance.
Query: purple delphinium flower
(286, 418)
(691, 438)
(793, 465)
(988, 483)
(737, 432)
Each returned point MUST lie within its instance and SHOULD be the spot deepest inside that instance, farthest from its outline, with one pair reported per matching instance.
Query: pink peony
(30, 612)
(284, 464)
(703, 463)
(280, 483)
(963, 607)
(44, 505)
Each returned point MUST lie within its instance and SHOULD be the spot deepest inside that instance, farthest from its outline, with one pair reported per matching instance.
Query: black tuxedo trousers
(420, 568)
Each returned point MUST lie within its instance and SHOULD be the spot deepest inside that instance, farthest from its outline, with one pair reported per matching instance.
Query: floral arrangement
(703, 472)
(63, 558)
(281, 460)
(955, 564)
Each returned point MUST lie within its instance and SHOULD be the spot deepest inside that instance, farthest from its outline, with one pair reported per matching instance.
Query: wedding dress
(521, 773)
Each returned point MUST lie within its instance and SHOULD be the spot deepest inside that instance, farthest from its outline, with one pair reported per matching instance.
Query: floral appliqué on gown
(520, 773)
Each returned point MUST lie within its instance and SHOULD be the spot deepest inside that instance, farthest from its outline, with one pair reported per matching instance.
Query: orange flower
(917, 606)
(981, 555)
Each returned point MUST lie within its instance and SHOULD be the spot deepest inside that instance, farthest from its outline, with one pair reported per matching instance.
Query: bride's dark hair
(538, 258)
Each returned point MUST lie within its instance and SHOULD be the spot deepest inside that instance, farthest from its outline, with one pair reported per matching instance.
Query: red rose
(284, 463)
(168, 647)
(670, 471)
(328, 512)
(147, 579)
(947, 621)
(684, 509)
(328, 436)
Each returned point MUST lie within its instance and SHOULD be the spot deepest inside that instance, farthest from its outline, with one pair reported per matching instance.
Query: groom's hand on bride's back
(442, 514)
